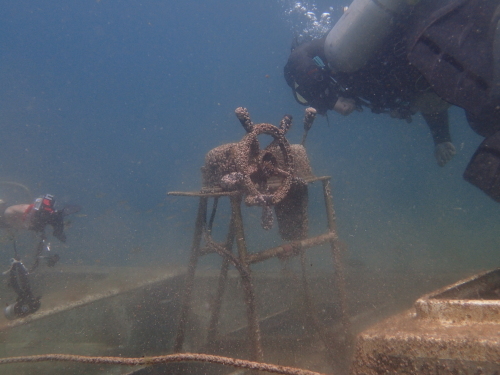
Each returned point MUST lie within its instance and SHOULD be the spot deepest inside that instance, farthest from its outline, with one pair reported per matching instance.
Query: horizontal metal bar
(290, 248)
(217, 192)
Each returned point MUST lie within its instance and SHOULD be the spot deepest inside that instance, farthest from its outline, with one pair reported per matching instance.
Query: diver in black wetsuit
(386, 84)
(37, 216)
(449, 47)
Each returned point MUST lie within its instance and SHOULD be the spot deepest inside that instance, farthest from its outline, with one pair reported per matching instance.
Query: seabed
(134, 312)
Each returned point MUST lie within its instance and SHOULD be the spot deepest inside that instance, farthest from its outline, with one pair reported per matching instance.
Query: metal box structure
(454, 330)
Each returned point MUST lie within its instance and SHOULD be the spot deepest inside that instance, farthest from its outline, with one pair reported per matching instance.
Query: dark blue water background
(111, 104)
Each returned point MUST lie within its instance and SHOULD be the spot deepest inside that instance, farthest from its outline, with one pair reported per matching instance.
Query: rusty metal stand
(243, 260)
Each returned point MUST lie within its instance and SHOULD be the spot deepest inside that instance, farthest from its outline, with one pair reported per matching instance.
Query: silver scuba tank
(360, 31)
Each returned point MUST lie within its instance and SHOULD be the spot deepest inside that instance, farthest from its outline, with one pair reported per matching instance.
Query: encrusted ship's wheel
(257, 166)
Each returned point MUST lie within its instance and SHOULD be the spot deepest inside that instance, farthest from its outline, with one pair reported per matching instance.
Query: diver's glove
(345, 106)
(444, 152)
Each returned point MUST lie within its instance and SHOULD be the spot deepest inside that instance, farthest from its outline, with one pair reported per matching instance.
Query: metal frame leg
(221, 287)
(337, 258)
(193, 261)
(246, 278)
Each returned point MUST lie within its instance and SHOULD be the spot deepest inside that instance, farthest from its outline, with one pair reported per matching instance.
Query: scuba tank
(360, 31)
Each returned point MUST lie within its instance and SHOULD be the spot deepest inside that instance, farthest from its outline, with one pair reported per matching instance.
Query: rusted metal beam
(218, 192)
(193, 261)
(337, 259)
(253, 321)
(221, 286)
(290, 248)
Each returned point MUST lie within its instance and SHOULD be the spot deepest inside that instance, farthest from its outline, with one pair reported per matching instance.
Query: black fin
(71, 209)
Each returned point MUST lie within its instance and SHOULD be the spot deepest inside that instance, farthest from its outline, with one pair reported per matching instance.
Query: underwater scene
(171, 202)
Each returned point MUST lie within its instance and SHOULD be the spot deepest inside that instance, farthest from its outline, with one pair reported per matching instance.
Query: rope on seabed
(148, 361)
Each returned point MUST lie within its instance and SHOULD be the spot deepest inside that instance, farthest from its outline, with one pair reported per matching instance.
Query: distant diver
(37, 215)
(397, 58)
(34, 217)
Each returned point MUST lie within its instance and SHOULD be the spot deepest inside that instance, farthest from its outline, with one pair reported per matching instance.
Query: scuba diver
(37, 216)
(385, 84)
(34, 217)
(401, 57)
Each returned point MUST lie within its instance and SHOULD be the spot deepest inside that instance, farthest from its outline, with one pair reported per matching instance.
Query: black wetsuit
(456, 46)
